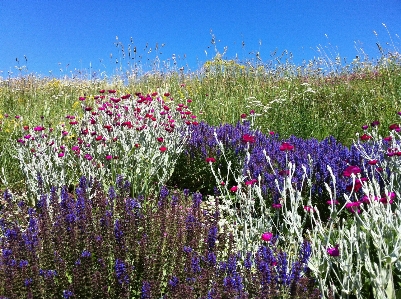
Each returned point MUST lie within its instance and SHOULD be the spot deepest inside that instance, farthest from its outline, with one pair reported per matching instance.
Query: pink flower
(309, 209)
(248, 138)
(38, 128)
(251, 182)
(365, 137)
(267, 236)
(375, 123)
(351, 170)
(163, 149)
(115, 100)
(285, 146)
(82, 98)
(210, 159)
(26, 128)
(353, 207)
(277, 206)
(61, 154)
(75, 148)
(234, 189)
(160, 139)
(333, 251)
(109, 157)
(394, 127)
(88, 157)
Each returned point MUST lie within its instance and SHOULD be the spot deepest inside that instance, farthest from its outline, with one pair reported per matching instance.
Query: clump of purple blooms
(100, 243)
(313, 154)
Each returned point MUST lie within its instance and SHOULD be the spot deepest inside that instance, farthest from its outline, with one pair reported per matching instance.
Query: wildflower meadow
(239, 180)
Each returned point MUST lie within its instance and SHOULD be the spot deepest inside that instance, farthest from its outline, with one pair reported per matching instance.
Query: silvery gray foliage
(121, 138)
(369, 240)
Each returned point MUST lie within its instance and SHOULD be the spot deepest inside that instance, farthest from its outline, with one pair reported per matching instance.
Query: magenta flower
(391, 195)
(210, 159)
(38, 128)
(309, 209)
(88, 157)
(267, 236)
(234, 189)
(351, 170)
(372, 162)
(388, 138)
(353, 207)
(365, 137)
(394, 127)
(285, 146)
(160, 139)
(61, 154)
(277, 206)
(75, 148)
(375, 123)
(27, 136)
(365, 127)
(333, 251)
(163, 149)
(243, 115)
(115, 100)
(248, 138)
(109, 157)
(251, 182)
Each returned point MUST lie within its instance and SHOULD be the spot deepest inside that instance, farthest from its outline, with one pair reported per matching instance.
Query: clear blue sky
(72, 35)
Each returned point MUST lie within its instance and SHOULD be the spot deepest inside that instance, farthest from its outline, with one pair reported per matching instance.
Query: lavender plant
(93, 244)
(312, 154)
